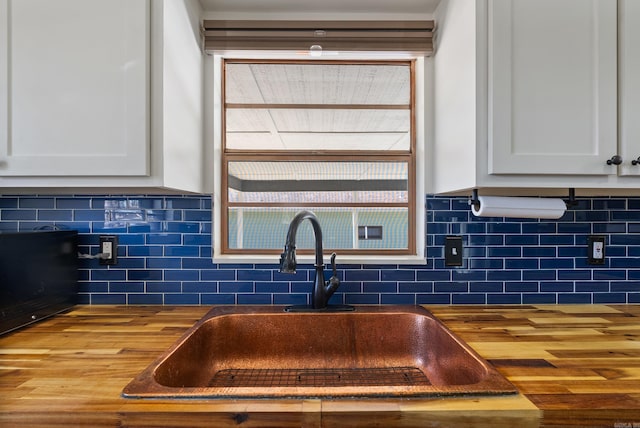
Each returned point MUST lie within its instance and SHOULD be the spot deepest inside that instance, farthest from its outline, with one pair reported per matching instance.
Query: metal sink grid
(268, 378)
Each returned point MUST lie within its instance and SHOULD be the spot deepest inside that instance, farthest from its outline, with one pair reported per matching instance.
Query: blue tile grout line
(164, 256)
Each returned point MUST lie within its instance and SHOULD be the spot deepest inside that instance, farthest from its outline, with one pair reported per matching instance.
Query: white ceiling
(418, 8)
(311, 83)
(304, 87)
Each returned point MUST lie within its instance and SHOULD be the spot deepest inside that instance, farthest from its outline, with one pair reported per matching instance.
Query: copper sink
(265, 352)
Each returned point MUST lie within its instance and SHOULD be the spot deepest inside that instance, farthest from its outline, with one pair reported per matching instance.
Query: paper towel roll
(506, 206)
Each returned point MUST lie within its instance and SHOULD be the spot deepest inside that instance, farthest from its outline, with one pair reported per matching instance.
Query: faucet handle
(334, 282)
(333, 264)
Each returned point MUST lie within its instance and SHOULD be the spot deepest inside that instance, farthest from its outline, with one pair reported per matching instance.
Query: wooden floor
(574, 366)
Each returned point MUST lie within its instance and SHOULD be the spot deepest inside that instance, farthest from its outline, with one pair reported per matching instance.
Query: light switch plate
(453, 251)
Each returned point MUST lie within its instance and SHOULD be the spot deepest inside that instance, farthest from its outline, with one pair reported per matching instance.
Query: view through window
(333, 137)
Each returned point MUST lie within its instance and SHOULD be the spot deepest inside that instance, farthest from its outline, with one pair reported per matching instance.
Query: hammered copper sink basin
(265, 352)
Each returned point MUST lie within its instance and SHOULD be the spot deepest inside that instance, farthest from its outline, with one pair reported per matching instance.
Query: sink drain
(264, 378)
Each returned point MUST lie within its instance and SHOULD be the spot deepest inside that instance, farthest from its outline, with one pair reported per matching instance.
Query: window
(369, 232)
(334, 137)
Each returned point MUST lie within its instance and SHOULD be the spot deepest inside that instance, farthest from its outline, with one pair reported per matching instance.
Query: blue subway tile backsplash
(164, 255)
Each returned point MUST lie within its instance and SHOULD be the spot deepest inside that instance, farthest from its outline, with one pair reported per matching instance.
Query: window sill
(310, 260)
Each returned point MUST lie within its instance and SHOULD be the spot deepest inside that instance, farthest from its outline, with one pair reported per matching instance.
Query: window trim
(216, 105)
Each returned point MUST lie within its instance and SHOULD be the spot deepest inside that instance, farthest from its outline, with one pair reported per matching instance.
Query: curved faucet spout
(322, 290)
(290, 245)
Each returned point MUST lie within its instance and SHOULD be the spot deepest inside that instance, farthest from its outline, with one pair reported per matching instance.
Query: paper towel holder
(474, 199)
(571, 202)
(572, 198)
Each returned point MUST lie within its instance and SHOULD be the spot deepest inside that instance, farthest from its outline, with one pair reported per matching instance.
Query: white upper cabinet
(101, 94)
(629, 84)
(537, 94)
(75, 87)
(552, 86)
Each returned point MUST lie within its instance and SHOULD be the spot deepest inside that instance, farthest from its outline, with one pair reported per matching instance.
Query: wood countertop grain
(574, 365)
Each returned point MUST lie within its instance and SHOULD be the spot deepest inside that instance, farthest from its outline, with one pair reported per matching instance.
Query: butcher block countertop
(575, 365)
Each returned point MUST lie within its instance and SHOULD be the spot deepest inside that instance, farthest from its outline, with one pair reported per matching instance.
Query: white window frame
(213, 132)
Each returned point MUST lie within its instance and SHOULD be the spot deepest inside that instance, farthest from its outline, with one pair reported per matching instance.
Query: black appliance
(38, 276)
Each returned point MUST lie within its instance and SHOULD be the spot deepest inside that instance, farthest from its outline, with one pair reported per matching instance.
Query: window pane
(294, 106)
(298, 129)
(266, 228)
(318, 83)
(317, 182)
(369, 232)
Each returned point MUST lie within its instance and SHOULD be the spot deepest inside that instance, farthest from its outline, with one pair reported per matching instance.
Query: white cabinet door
(552, 86)
(74, 87)
(629, 85)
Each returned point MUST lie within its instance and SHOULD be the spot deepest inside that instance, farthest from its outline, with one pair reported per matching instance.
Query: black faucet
(322, 290)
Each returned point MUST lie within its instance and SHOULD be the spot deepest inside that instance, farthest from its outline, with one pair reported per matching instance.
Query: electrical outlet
(109, 249)
(596, 247)
(453, 251)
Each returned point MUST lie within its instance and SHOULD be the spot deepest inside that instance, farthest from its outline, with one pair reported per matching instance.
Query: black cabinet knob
(615, 160)
(636, 161)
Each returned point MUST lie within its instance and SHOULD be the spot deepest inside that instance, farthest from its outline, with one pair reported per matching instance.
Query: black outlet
(108, 250)
(453, 251)
(596, 247)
